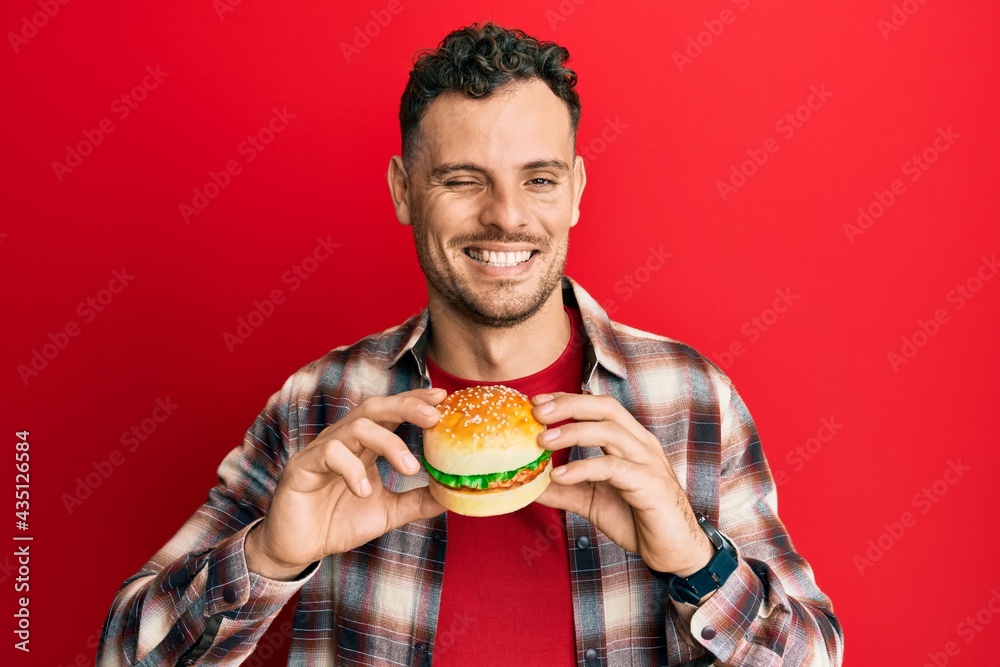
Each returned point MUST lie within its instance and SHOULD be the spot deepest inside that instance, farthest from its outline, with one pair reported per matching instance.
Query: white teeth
(499, 259)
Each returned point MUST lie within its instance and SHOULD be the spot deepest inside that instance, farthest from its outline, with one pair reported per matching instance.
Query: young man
(657, 541)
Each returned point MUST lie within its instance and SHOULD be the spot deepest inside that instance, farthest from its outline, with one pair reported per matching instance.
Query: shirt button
(436, 536)
(708, 632)
(420, 648)
(590, 655)
(229, 594)
(583, 542)
(187, 662)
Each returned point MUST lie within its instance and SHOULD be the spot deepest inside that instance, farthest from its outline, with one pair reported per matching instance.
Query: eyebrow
(444, 169)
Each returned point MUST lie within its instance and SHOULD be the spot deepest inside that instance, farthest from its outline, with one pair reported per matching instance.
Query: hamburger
(483, 456)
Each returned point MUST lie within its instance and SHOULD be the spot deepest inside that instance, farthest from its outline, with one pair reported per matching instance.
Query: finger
(316, 466)
(410, 506)
(620, 473)
(368, 440)
(557, 407)
(610, 436)
(415, 407)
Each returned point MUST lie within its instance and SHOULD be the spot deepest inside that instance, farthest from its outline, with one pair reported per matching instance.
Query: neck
(476, 352)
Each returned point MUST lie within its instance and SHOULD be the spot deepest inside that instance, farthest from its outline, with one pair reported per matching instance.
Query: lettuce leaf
(481, 482)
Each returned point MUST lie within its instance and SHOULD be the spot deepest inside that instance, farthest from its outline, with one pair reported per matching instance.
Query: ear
(579, 183)
(399, 189)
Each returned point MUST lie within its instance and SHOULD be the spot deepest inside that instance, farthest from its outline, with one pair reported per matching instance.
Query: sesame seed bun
(483, 455)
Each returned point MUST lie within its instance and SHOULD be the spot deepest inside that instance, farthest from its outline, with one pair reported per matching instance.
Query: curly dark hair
(476, 60)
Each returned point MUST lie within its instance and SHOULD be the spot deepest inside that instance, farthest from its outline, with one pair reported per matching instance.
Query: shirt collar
(601, 344)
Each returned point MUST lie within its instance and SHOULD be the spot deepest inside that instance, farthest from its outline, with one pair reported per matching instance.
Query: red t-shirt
(506, 595)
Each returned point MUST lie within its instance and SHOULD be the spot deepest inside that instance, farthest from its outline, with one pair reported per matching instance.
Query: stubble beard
(501, 306)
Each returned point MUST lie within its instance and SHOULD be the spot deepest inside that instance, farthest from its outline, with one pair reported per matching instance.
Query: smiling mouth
(499, 259)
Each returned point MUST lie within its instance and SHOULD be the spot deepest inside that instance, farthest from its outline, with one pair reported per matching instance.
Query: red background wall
(862, 442)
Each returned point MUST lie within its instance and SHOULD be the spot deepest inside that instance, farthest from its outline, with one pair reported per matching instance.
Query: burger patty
(522, 477)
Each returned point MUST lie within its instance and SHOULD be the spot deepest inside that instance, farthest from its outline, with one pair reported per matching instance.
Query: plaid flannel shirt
(195, 602)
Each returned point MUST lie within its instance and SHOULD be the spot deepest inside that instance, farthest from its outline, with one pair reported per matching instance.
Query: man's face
(491, 194)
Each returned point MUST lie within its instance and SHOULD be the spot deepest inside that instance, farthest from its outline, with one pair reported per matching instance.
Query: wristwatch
(709, 578)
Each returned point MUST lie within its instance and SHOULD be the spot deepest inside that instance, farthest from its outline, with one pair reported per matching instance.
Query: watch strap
(693, 588)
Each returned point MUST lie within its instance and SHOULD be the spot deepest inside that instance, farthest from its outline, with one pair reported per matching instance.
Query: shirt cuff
(723, 622)
(233, 590)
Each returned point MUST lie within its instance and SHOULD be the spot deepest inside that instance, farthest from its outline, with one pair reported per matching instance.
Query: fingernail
(542, 398)
(428, 410)
(366, 487)
(558, 472)
(410, 462)
(545, 408)
(549, 435)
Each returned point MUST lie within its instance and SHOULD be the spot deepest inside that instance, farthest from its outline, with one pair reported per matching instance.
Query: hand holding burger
(630, 493)
(483, 456)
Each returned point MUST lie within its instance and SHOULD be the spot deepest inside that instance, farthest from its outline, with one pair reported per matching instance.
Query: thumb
(410, 506)
(575, 498)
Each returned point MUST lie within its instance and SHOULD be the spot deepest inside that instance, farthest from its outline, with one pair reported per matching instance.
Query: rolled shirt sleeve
(195, 600)
(770, 611)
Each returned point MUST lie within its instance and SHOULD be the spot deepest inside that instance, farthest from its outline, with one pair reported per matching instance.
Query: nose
(505, 207)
